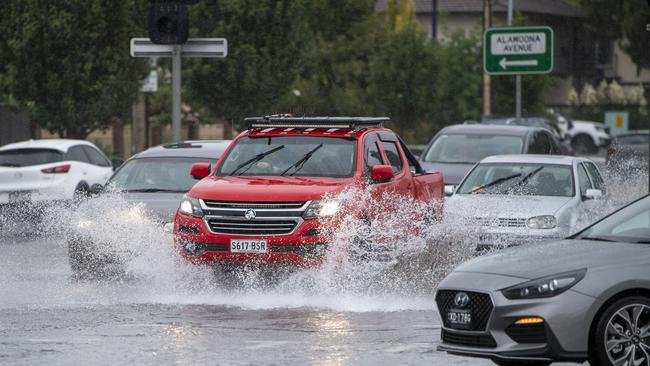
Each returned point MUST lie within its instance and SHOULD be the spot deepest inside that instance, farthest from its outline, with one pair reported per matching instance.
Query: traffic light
(169, 21)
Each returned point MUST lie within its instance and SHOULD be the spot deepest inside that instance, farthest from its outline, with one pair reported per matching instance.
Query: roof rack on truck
(315, 122)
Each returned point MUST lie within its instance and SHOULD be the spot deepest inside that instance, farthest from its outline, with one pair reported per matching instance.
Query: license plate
(248, 246)
(20, 196)
(460, 318)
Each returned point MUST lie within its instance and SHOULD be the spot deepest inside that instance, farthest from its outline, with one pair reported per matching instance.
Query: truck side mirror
(200, 170)
(381, 173)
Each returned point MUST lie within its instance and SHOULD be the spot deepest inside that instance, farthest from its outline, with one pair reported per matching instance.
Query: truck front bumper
(305, 246)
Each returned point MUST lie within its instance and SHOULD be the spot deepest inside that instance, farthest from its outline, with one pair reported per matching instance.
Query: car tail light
(610, 151)
(57, 169)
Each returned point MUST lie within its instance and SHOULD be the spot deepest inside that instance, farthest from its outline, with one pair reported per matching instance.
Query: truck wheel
(621, 333)
(583, 144)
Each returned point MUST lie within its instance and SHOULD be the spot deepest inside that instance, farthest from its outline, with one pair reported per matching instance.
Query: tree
(266, 39)
(622, 20)
(67, 62)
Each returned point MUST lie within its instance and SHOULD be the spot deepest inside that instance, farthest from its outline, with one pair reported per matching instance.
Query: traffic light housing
(169, 21)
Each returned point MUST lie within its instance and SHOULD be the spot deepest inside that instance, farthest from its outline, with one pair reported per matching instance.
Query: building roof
(208, 149)
(545, 7)
(55, 144)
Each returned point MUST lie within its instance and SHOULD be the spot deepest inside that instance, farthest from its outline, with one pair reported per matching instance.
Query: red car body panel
(288, 248)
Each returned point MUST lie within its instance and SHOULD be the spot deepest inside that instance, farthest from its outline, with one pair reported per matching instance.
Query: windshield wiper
(13, 165)
(150, 190)
(524, 179)
(301, 162)
(255, 159)
(495, 182)
(596, 238)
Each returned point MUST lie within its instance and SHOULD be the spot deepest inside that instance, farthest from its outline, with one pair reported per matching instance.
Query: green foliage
(67, 62)
(266, 39)
(624, 21)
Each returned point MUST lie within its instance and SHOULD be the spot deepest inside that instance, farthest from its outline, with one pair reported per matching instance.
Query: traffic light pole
(176, 93)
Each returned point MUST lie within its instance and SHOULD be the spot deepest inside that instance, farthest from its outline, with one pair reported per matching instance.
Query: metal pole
(176, 93)
(487, 80)
(517, 77)
(434, 19)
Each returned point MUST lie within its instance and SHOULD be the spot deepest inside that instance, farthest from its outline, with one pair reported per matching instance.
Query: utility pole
(176, 93)
(518, 76)
(487, 79)
(434, 19)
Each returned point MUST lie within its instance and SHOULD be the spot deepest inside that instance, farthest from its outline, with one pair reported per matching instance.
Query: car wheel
(81, 262)
(520, 363)
(81, 192)
(622, 334)
(583, 144)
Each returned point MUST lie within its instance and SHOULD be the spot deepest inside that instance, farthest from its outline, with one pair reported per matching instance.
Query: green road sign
(518, 50)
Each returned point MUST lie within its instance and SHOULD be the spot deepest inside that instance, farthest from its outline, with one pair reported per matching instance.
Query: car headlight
(190, 206)
(322, 208)
(544, 287)
(542, 222)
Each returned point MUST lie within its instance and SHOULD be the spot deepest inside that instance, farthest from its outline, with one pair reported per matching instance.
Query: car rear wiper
(150, 190)
(495, 182)
(301, 162)
(255, 159)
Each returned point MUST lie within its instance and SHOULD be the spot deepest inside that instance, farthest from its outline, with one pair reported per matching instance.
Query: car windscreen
(470, 148)
(156, 174)
(631, 224)
(29, 157)
(519, 179)
(632, 140)
(291, 156)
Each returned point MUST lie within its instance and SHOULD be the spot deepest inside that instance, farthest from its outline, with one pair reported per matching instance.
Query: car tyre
(614, 332)
(583, 144)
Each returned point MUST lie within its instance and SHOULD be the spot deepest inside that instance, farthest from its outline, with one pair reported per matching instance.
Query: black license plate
(461, 319)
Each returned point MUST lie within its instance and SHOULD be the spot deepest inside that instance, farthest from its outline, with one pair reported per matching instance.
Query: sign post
(518, 51)
(194, 47)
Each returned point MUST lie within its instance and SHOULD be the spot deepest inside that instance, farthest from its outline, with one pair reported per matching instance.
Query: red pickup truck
(269, 194)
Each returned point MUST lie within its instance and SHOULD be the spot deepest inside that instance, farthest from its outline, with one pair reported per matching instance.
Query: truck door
(403, 181)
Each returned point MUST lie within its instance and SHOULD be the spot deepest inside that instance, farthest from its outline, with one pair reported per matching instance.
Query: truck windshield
(291, 156)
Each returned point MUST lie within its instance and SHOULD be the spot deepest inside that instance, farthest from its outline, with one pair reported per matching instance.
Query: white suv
(46, 170)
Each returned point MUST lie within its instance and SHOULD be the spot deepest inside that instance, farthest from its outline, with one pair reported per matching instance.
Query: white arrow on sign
(505, 63)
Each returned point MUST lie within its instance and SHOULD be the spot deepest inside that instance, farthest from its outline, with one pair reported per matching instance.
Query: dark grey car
(455, 149)
(629, 151)
(583, 298)
(154, 180)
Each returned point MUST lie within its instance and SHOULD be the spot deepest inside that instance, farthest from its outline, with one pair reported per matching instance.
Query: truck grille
(480, 305)
(251, 227)
(254, 205)
(499, 222)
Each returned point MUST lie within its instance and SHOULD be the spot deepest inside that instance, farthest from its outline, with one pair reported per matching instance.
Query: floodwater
(165, 311)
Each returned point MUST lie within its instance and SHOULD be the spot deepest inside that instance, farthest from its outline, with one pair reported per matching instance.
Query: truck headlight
(542, 222)
(190, 206)
(322, 208)
(544, 287)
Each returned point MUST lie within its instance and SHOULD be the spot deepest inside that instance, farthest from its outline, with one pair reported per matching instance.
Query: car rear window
(470, 148)
(29, 157)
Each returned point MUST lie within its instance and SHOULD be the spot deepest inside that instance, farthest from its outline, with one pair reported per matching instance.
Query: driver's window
(583, 180)
(371, 154)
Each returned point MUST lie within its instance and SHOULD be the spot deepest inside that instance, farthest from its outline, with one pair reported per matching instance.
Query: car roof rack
(315, 122)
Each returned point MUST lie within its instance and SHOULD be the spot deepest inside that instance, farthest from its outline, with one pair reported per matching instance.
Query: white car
(512, 199)
(586, 136)
(49, 170)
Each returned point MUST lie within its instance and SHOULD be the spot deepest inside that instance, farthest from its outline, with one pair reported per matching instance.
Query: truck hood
(270, 189)
(544, 259)
(505, 206)
(452, 173)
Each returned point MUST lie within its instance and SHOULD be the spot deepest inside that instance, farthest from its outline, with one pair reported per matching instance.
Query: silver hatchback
(583, 298)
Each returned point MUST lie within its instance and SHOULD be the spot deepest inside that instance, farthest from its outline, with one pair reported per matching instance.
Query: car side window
(555, 145)
(394, 157)
(95, 157)
(595, 176)
(542, 144)
(535, 146)
(76, 153)
(583, 179)
(371, 154)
